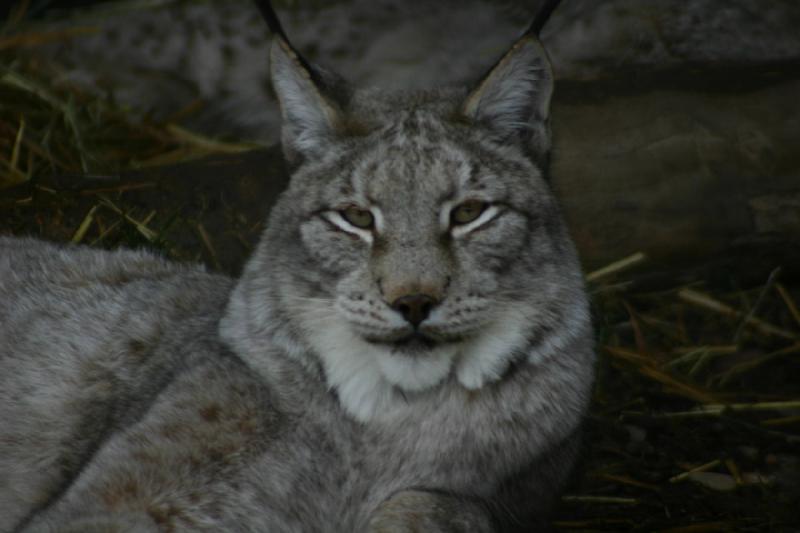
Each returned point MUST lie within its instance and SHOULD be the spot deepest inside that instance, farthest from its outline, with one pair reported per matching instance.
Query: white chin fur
(368, 377)
(415, 373)
(486, 358)
(370, 380)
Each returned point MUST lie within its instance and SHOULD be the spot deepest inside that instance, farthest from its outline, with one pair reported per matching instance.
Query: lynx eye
(467, 212)
(360, 218)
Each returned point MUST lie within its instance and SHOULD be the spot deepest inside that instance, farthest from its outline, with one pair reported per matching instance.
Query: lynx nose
(415, 307)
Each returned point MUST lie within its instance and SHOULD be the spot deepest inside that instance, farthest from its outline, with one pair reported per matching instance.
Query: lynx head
(418, 245)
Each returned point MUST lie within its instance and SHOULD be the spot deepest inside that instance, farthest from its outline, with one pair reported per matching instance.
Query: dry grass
(695, 424)
(48, 128)
(66, 154)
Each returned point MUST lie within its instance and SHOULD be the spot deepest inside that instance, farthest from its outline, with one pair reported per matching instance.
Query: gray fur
(142, 395)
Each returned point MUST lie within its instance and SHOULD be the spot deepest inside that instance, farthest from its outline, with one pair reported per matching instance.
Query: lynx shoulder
(409, 347)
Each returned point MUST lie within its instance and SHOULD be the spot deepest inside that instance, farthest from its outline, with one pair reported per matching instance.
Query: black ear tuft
(310, 113)
(271, 18)
(310, 117)
(513, 99)
(542, 16)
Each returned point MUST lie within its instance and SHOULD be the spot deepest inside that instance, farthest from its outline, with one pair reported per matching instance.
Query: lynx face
(418, 242)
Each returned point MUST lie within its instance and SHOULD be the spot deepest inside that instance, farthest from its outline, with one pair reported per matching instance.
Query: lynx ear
(513, 99)
(310, 117)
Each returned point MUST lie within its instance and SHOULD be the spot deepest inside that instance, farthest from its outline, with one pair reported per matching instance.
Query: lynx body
(408, 349)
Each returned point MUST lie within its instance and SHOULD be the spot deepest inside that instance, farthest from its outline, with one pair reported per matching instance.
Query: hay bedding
(695, 424)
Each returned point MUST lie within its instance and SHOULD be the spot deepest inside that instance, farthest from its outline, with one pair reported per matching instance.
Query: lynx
(408, 349)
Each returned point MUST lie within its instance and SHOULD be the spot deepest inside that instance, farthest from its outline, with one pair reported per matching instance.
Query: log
(683, 165)
(686, 167)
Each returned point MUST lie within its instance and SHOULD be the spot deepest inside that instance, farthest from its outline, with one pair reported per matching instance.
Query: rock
(175, 52)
